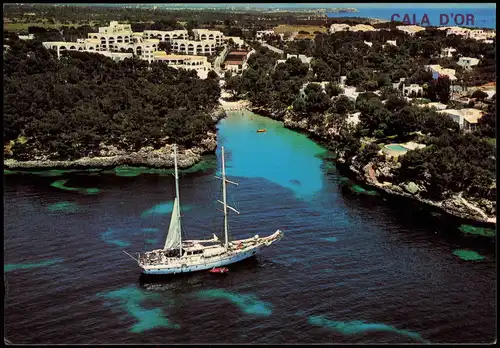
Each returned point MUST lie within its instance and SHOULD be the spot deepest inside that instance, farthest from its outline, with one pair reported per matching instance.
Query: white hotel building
(118, 42)
(120, 37)
(165, 36)
(194, 47)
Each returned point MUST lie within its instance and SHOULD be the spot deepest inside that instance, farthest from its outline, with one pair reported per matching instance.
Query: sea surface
(446, 16)
(484, 14)
(355, 266)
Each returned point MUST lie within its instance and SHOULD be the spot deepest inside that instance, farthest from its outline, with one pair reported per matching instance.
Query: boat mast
(176, 174)
(224, 201)
(224, 193)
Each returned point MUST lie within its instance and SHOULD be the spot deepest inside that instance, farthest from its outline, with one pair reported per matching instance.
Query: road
(272, 48)
(218, 61)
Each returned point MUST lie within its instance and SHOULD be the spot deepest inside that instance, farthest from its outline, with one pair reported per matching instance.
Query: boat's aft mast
(224, 193)
(224, 201)
(176, 174)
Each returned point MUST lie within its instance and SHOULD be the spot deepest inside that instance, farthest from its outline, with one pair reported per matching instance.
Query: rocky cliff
(110, 156)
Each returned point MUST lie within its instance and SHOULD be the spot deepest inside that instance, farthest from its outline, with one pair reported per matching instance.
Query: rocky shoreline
(110, 156)
(482, 211)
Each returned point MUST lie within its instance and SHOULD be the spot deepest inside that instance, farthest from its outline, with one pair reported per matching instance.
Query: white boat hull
(223, 261)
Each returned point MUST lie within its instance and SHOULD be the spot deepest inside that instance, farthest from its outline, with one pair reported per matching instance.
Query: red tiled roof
(238, 53)
(237, 58)
(234, 59)
(233, 62)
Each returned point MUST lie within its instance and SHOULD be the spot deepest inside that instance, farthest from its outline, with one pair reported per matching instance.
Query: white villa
(413, 88)
(349, 92)
(401, 82)
(438, 71)
(198, 63)
(467, 62)
(338, 27)
(480, 34)
(457, 31)
(236, 40)
(303, 58)
(489, 88)
(447, 52)
(346, 27)
(477, 34)
(410, 29)
(466, 118)
(261, 33)
(362, 27)
(26, 37)
(435, 105)
(210, 35)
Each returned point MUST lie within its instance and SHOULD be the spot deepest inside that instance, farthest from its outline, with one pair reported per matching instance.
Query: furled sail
(174, 231)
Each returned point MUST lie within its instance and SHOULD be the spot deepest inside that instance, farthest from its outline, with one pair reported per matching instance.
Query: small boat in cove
(185, 256)
(263, 130)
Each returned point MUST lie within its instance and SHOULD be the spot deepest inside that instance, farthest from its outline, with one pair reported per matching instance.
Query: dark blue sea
(355, 266)
(481, 17)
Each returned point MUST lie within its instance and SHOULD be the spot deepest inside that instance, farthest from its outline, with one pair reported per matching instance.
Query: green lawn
(492, 141)
(44, 24)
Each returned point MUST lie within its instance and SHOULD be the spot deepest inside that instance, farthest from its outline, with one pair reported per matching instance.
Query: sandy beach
(232, 105)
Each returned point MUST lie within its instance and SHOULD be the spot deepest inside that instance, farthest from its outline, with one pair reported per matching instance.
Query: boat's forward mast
(224, 201)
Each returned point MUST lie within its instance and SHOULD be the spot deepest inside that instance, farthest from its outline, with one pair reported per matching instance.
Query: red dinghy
(219, 270)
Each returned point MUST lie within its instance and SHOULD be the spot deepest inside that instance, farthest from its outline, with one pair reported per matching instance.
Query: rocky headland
(379, 174)
(111, 156)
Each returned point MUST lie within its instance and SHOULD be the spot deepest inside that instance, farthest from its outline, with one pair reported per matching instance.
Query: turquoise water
(163, 209)
(480, 231)
(397, 147)
(61, 184)
(131, 300)
(248, 303)
(121, 236)
(468, 255)
(355, 327)
(15, 266)
(65, 206)
(284, 157)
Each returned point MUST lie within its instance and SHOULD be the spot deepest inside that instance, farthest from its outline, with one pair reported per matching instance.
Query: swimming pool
(396, 147)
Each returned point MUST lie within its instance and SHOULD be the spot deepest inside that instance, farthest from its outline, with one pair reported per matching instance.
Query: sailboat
(185, 256)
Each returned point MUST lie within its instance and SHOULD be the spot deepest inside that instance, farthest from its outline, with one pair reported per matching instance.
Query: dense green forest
(451, 162)
(65, 108)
